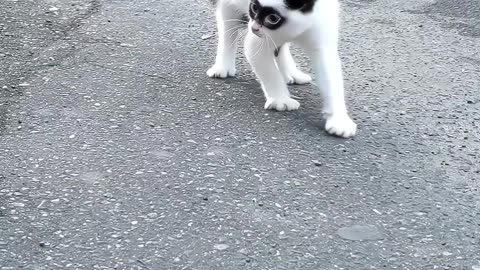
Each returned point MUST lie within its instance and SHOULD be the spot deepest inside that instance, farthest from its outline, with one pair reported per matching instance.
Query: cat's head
(280, 19)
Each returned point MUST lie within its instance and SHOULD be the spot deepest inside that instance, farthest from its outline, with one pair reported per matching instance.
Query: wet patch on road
(460, 15)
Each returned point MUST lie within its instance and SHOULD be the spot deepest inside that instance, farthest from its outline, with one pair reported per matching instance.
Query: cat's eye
(272, 19)
(254, 8)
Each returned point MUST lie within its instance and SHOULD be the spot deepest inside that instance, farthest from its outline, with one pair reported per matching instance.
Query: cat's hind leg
(229, 24)
(288, 67)
(259, 54)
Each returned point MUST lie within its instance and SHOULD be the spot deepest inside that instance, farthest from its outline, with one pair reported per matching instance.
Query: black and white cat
(273, 24)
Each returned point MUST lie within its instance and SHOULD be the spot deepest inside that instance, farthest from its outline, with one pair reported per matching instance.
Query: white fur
(316, 32)
(288, 68)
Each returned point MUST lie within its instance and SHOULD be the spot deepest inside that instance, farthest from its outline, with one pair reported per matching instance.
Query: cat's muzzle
(256, 30)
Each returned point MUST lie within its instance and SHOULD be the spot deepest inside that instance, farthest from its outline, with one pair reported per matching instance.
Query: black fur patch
(259, 13)
(277, 51)
(245, 19)
(304, 6)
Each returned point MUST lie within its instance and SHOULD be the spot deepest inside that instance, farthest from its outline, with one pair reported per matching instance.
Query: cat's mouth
(256, 33)
(256, 30)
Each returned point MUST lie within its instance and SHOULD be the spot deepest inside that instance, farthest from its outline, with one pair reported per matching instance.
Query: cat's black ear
(301, 5)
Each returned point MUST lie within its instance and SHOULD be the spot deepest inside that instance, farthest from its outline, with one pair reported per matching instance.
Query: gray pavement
(117, 152)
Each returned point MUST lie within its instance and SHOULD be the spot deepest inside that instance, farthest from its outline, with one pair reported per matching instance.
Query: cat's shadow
(308, 117)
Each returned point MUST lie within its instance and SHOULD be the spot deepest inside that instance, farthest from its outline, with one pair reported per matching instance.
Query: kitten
(273, 24)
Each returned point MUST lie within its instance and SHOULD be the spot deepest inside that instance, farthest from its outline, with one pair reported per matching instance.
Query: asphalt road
(117, 151)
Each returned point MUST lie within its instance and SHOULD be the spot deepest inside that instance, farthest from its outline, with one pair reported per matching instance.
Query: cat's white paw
(298, 77)
(282, 104)
(340, 125)
(221, 71)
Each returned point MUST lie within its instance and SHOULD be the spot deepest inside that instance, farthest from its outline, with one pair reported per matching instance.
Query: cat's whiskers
(234, 28)
(235, 20)
(260, 47)
(268, 44)
(274, 44)
(238, 31)
(241, 34)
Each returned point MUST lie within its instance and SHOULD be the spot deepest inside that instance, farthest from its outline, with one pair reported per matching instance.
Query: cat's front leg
(288, 67)
(228, 25)
(260, 54)
(328, 70)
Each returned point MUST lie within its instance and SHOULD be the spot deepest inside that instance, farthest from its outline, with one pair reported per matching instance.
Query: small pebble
(317, 163)
(243, 251)
(152, 215)
(220, 246)
(206, 36)
(126, 45)
(18, 204)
